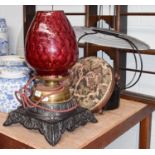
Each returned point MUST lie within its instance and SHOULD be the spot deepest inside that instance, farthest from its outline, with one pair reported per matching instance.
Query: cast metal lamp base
(59, 112)
(52, 129)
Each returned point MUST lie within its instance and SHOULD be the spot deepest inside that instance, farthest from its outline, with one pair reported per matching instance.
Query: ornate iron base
(52, 130)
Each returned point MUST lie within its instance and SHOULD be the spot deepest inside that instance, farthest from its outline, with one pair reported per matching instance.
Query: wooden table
(111, 125)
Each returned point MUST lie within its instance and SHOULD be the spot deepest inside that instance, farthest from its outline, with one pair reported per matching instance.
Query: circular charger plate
(92, 82)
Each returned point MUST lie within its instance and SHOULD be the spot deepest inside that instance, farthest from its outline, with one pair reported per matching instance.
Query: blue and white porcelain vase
(4, 44)
(13, 76)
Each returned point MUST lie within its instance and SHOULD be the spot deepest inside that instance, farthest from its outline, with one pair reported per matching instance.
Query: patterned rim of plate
(11, 60)
(9, 73)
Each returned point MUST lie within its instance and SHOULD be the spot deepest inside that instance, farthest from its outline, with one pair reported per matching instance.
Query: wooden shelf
(111, 124)
(147, 52)
(137, 70)
(75, 14)
(108, 19)
(147, 99)
(138, 14)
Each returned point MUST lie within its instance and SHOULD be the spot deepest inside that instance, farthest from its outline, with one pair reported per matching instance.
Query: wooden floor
(110, 125)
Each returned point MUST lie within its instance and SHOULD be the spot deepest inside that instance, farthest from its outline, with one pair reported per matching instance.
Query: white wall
(14, 18)
(143, 27)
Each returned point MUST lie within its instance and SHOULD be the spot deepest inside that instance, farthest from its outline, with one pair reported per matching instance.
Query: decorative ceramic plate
(13, 72)
(92, 82)
(11, 60)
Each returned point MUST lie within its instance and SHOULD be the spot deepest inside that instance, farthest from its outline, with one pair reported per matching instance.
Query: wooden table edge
(99, 142)
(114, 133)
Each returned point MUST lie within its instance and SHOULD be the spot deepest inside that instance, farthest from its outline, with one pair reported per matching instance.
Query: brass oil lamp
(47, 104)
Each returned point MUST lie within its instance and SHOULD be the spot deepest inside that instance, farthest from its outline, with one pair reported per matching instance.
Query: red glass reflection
(51, 46)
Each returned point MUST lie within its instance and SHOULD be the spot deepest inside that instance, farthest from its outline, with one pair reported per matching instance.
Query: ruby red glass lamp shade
(51, 47)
